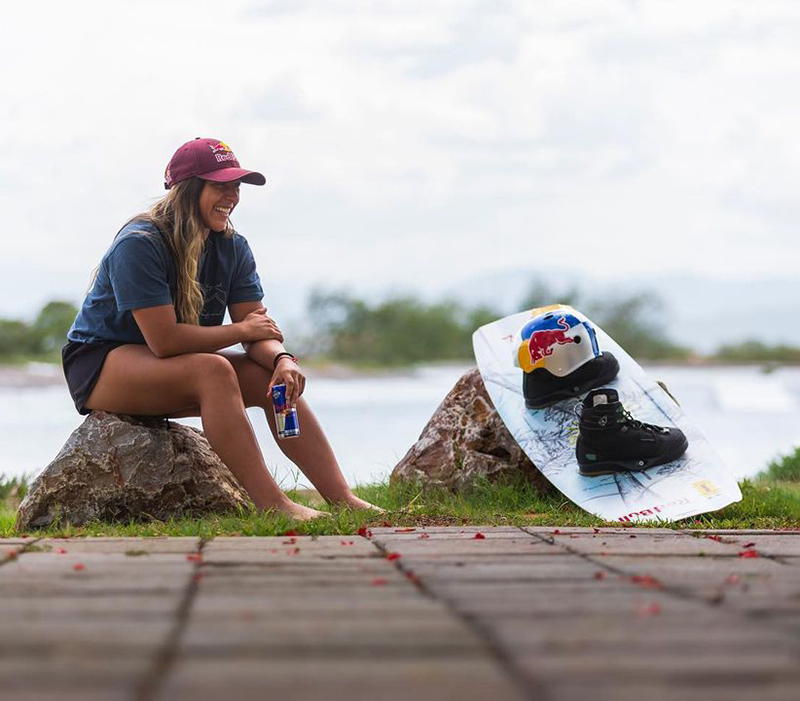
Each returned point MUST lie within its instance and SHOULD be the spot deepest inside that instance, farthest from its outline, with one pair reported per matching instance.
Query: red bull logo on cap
(222, 152)
(541, 342)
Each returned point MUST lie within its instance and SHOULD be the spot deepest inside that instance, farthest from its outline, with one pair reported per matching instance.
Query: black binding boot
(610, 440)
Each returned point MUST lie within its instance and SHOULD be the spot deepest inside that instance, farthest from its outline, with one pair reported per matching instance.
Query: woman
(149, 337)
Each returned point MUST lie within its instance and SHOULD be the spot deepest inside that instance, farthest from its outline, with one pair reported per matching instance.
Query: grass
(772, 501)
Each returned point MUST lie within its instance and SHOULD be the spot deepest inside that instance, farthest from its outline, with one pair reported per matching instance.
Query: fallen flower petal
(479, 536)
(11, 555)
(293, 551)
(378, 582)
(392, 556)
(60, 551)
(404, 530)
(749, 553)
(714, 537)
(652, 609)
(364, 532)
(646, 581)
(347, 542)
(732, 579)
(424, 535)
(288, 533)
(596, 530)
(748, 545)
(78, 566)
(291, 541)
(194, 557)
(556, 532)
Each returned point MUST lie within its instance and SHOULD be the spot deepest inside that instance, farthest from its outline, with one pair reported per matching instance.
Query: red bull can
(285, 416)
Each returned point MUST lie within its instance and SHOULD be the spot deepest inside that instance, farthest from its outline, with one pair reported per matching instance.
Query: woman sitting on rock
(149, 337)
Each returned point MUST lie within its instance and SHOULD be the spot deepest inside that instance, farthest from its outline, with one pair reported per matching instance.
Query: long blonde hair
(177, 216)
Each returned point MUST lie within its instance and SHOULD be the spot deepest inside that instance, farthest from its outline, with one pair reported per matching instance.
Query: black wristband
(279, 356)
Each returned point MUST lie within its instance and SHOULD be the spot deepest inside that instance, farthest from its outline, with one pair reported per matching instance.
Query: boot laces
(629, 421)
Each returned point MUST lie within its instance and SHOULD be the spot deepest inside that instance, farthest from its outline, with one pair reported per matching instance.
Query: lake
(749, 416)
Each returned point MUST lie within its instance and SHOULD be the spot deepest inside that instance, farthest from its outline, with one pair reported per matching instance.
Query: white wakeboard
(695, 483)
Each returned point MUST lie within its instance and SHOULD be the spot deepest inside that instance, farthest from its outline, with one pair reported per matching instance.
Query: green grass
(766, 503)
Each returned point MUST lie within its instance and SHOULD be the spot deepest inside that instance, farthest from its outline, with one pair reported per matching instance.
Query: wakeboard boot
(541, 388)
(610, 440)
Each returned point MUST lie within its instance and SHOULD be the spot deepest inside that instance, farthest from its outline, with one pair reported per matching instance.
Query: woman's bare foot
(298, 512)
(351, 501)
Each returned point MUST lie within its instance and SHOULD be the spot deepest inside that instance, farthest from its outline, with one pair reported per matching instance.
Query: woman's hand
(288, 373)
(257, 326)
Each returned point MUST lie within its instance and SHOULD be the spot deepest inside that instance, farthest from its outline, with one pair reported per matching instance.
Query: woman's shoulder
(137, 235)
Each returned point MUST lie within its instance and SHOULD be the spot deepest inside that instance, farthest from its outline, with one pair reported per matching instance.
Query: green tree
(397, 331)
(52, 324)
(17, 339)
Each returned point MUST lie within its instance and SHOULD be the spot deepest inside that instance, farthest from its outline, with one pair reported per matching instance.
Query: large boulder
(466, 440)
(120, 468)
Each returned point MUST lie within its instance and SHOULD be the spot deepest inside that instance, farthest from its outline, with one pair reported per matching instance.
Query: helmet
(558, 352)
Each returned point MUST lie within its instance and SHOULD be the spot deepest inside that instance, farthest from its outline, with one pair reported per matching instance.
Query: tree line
(405, 330)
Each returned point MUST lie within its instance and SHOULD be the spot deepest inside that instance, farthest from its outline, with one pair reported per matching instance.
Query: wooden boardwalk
(424, 614)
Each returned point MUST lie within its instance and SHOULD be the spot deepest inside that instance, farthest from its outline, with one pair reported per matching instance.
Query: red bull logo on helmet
(542, 335)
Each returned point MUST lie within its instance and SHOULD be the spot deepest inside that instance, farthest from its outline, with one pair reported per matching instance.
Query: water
(748, 416)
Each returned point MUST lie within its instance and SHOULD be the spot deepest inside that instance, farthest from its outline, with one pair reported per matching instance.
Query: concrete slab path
(424, 614)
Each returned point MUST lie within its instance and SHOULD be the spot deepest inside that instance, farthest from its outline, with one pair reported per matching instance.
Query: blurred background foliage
(406, 330)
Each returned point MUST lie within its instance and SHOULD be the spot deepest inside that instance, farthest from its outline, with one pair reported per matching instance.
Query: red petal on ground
(364, 532)
(392, 556)
(713, 537)
(748, 545)
(60, 551)
(78, 566)
(556, 532)
(287, 533)
(651, 609)
(646, 581)
(732, 579)
(11, 555)
(479, 536)
(596, 530)
(291, 541)
(749, 553)
(378, 582)
(194, 557)
(424, 535)
(347, 542)
(404, 530)
(599, 575)
(293, 551)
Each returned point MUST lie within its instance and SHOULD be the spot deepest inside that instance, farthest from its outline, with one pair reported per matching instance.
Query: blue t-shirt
(137, 272)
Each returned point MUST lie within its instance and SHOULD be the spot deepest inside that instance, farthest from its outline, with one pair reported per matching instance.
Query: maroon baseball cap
(208, 159)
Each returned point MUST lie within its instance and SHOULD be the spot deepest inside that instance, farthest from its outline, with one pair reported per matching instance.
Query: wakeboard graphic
(695, 483)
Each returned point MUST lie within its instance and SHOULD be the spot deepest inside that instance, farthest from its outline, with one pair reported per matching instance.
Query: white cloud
(407, 143)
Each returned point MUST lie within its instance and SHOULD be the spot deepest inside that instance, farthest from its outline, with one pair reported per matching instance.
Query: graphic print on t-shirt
(215, 298)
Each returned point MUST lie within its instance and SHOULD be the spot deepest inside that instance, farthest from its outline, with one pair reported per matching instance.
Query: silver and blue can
(285, 416)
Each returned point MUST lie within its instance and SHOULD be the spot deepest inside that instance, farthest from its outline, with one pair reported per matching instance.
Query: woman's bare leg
(135, 381)
(310, 451)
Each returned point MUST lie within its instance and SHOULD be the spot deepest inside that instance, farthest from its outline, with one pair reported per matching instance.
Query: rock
(120, 468)
(464, 440)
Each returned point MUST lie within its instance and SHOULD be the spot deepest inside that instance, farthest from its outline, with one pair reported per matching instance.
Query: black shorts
(82, 364)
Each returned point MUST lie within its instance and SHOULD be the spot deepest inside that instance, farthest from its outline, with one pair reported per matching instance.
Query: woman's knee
(210, 371)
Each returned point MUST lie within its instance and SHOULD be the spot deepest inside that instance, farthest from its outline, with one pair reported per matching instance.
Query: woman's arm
(264, 352)
(166, 337)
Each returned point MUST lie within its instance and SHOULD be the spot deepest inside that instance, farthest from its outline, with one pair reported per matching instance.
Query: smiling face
(217, 201)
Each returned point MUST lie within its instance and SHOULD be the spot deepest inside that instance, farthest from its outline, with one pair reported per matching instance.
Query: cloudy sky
(411, 145)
